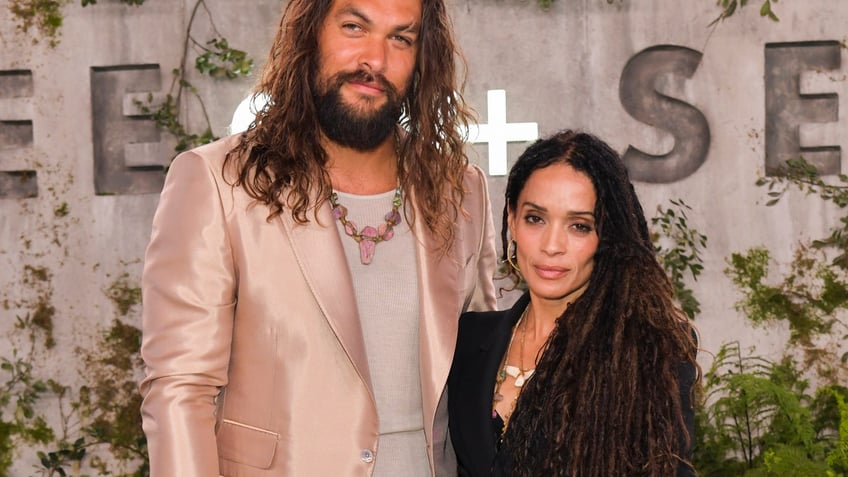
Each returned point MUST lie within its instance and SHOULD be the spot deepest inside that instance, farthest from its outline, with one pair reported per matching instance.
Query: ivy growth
(812, 298)
(20, 393)
(21, 388)
(47, 16)
(806, 298)
(100, 424)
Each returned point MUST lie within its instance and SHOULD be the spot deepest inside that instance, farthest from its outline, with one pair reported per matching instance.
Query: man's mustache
(363, 76)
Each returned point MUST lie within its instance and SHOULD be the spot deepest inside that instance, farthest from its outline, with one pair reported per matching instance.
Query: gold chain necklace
(520, 374)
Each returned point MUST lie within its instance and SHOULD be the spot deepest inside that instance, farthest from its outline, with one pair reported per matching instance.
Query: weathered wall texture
(700, 112)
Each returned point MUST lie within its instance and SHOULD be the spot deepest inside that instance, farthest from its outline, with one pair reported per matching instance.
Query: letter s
(686, 123)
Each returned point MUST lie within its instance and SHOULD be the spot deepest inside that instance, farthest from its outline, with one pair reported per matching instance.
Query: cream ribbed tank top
(387, 297)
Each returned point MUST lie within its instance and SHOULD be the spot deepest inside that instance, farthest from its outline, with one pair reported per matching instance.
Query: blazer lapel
(496, 346)
(441, 305)
(320, 255)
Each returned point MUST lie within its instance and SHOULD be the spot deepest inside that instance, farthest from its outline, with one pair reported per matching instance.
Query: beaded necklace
(370, 236)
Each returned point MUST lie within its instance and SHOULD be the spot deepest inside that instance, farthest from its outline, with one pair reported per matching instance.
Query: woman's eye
(583, 228)
(532, 219)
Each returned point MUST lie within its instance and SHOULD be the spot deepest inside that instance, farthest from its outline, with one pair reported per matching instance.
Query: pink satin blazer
(255, 363)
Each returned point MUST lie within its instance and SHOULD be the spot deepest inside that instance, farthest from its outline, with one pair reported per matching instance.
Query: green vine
(800, 174)
(729, 7)
(679, 248)
(216, 59)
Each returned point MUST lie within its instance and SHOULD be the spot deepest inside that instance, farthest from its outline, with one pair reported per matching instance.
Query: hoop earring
(511, 257)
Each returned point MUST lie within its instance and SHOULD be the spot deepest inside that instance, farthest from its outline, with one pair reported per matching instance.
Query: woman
(591, 371)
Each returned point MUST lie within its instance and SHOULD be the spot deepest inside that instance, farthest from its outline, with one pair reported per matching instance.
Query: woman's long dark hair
(280, 162)
(604, 400)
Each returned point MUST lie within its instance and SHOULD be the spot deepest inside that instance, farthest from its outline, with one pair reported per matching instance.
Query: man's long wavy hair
(280, 161)
(604, 400)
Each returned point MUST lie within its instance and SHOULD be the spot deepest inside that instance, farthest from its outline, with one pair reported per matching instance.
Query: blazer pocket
(246, 444)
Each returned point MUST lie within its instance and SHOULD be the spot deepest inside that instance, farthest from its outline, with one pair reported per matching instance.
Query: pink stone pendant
(366, 251)
(367, 245)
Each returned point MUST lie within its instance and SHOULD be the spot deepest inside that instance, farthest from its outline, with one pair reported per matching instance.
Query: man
(304, 279)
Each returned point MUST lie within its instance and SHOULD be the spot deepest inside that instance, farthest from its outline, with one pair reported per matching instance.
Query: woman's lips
(550, 272)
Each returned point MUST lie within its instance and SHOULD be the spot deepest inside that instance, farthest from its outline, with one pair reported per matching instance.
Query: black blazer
(481, 343)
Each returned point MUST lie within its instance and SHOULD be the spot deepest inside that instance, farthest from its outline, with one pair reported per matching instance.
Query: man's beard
(344, 125)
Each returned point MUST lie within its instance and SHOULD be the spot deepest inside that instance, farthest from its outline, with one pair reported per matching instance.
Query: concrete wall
(701, 112)
(651, 75)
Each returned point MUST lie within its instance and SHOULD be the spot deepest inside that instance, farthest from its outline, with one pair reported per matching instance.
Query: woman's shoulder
(474, 319)
(478, 324)
(481, 316)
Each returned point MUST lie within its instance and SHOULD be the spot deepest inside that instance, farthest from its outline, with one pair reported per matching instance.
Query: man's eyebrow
(352, 10)
(410, 28)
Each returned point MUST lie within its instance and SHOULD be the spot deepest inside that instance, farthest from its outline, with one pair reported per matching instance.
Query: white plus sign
(498, 133)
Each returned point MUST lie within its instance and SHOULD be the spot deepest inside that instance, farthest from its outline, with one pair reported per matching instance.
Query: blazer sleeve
(484, 297)
(188, 295)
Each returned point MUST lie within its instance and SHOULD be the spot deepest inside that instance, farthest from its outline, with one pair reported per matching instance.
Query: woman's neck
(539, 321)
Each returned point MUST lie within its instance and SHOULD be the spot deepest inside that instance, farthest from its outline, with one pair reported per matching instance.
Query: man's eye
(405, 40)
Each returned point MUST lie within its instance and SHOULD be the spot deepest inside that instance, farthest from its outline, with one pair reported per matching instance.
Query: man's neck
(362, 172)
